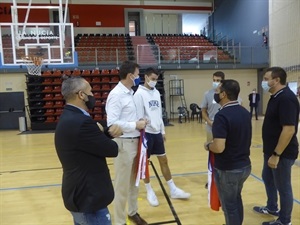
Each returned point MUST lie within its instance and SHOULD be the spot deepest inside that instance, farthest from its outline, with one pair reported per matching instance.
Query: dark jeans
(230, 184)
(255, 110)
(101, 217)
(279, 179)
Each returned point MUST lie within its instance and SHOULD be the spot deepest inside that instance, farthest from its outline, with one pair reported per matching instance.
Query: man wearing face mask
(121, 110)
(148, 103)
(231, 148)
(209, 108)
(82, 146)
(280, 146)
(254, 98)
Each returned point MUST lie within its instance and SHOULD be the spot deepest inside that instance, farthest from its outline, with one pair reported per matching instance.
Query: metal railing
(173, 56)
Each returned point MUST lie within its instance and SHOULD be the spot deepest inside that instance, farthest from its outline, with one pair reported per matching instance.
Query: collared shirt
(121, 110)
(282, 110)
(233, 123)
(84, 112)
(253, 97)
(231, 103)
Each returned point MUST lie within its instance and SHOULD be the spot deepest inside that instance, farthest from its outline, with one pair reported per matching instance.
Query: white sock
(172, 185)
(148, 187)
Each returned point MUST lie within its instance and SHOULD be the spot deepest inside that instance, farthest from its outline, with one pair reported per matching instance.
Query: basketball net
(34, 64)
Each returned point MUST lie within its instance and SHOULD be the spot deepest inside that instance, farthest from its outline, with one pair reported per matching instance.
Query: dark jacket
(257, 99)
(82, 148)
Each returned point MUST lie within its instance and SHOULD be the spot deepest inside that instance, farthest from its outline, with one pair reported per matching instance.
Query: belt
(130, 137)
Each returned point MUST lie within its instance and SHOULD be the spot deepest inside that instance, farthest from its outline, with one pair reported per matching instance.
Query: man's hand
(210, 123)
(273, 161)
(115, 131)
(164, 137)
(141, 124)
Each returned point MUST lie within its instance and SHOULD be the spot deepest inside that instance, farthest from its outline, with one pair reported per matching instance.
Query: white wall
(99, 30)
(197, 82)
(284, 40)
(156, 23)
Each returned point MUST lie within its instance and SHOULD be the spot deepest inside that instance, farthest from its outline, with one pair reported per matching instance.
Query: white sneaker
(152, 199)
(178, 193)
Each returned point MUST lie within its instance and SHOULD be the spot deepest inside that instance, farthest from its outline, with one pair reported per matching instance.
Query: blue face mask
(136, 81)
(215, 85)
(265, 86)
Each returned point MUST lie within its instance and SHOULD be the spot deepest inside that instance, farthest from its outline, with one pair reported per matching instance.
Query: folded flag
(142, 159)
(213, 196)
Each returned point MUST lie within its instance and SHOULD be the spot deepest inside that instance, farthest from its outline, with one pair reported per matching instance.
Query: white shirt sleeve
(113, 111)
(162, 126)
(139, 104)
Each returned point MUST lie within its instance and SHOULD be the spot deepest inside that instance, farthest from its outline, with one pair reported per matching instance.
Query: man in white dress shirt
(121, 110)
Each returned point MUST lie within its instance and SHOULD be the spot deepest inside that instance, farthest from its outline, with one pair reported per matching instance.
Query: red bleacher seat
(50, 119)
(49, 112)
(48, 96)
(95, 72)
(104, 71)
(76, 72)
(86, 72)
(114, 71)
(47, 73)
(105, 79)
(56, 73)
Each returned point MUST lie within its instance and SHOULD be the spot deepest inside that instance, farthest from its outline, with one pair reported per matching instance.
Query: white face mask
(215, 85)
(152, 83)
(265, 86)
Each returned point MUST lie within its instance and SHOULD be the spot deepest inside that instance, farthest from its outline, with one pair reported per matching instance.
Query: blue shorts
(156, 145)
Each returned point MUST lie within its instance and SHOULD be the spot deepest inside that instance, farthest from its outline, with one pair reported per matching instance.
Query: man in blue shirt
(232, 132)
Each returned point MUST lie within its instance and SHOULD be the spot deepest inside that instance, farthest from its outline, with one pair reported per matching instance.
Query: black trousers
(255, 110)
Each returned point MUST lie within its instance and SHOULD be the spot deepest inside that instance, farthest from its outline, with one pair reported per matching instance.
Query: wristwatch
(276, 154)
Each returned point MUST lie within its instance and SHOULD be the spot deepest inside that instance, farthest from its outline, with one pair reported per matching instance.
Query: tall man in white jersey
(148, 105)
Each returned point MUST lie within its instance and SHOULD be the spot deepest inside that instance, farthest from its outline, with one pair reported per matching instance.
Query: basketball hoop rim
(32, 58)
(34, 64)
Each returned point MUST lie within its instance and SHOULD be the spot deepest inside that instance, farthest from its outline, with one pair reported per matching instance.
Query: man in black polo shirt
(280, 146)
(232, 132)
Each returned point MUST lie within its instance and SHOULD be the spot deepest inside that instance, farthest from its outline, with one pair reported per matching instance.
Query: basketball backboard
(53, 41)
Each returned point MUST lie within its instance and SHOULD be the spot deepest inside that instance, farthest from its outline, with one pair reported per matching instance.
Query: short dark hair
(219, 74)
(278, 72)
(150, 70)
(231, 88)
(127, 67)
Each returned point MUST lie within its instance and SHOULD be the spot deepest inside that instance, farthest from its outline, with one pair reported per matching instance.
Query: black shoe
(276, 222)
(137, 219)
(264, 210)
(206, 186)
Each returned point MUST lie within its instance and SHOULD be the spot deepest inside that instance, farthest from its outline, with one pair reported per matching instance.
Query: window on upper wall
(194, 23)
(132, 28)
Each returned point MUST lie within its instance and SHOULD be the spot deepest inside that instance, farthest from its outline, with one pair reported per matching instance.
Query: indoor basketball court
(30, 172)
